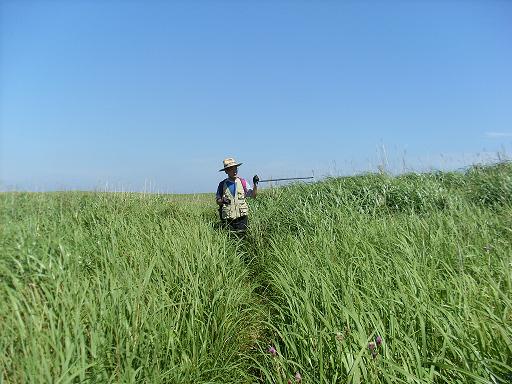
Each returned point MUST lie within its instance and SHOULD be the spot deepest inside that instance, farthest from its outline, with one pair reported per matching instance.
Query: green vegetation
(131, 288)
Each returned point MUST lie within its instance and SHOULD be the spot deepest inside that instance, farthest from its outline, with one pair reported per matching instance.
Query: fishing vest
(238, 206)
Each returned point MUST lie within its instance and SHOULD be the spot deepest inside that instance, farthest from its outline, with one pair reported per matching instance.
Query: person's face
(231, 171)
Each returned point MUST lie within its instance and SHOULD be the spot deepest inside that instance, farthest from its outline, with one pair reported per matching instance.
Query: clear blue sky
(120, 94)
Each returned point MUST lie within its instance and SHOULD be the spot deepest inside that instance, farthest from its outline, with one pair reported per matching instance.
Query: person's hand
(255, 180)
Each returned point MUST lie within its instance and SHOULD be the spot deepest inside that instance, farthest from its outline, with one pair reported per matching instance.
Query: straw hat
(229, 162)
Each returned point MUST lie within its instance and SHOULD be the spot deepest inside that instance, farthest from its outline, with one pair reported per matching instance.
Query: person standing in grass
(231, 196)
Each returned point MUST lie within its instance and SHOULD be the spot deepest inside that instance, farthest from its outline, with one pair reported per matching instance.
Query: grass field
(364, 279)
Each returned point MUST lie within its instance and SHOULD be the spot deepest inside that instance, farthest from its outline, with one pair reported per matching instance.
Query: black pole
(286, 178)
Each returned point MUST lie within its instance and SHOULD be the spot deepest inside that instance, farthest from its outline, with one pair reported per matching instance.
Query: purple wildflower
(371, 346)
(298, 377)
(272, 351)
(378, 340)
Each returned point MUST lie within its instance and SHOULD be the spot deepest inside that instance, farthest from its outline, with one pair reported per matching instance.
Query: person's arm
(219, 198)
(255, 181)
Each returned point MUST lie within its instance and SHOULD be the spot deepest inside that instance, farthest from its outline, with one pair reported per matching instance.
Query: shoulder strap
(244, 184)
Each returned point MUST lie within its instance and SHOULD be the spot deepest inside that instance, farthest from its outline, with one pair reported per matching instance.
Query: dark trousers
(238, 225)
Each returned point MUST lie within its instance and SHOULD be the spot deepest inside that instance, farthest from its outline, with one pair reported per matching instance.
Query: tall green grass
(98, 287)
(119, 288)
(423, 261)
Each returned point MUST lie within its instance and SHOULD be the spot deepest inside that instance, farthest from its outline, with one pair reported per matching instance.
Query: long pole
(287, 178)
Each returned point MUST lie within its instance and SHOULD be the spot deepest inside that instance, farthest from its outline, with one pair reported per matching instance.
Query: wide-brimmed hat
(228, 163)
